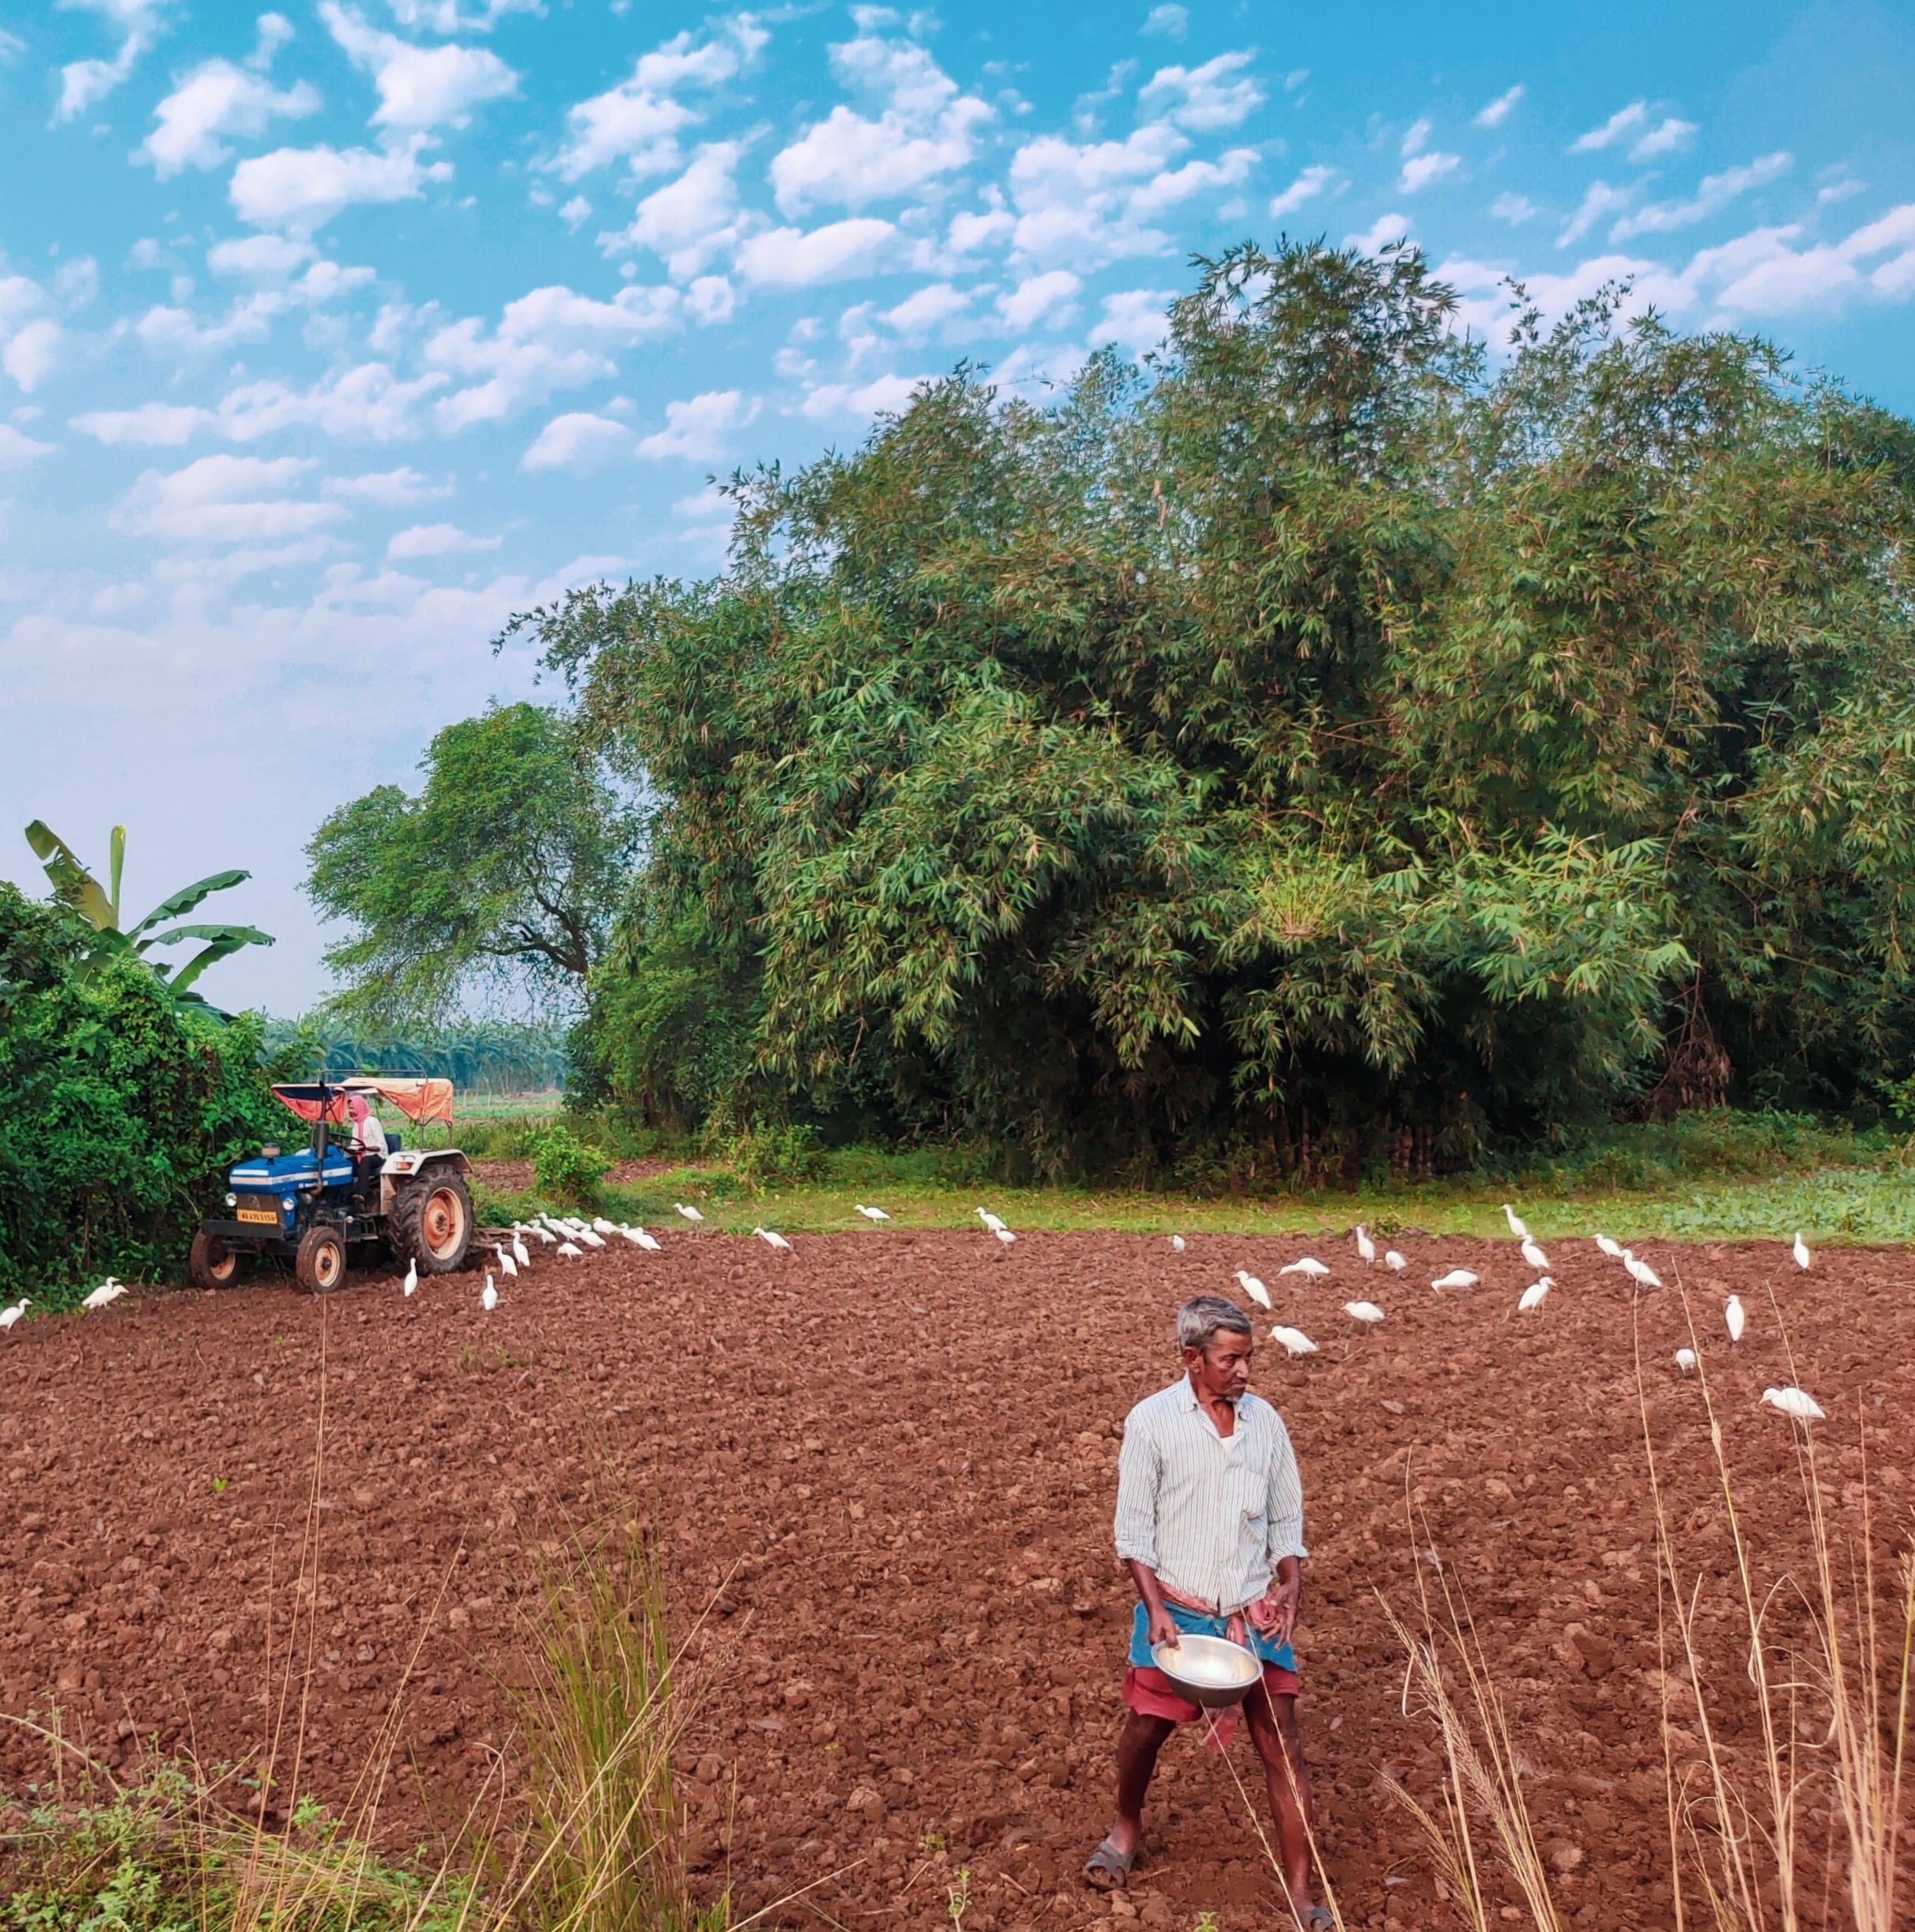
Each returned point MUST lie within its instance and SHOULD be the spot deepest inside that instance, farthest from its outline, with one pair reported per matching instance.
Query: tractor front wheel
(320, 1266)
(431, 1223)
(212, 1264)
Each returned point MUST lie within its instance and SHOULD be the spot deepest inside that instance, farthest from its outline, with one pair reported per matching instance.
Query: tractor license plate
(265, 1216)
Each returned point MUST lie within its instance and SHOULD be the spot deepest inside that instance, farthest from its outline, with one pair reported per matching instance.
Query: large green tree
(1320, 738)
(503, 875)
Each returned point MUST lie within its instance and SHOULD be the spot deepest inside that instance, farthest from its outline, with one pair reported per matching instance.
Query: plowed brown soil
(886, 1462)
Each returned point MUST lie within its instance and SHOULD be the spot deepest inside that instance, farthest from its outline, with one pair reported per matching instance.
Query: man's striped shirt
(1213, 1517)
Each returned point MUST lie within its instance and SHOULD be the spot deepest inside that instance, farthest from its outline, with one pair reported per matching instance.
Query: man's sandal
(1109, 1868)
(1315, 1918)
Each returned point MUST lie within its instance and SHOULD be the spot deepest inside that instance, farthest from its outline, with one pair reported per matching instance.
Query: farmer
(368, 1130)
(1210, 1518)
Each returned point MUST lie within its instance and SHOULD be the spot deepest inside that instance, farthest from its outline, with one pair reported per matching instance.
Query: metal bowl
(1210, 1671)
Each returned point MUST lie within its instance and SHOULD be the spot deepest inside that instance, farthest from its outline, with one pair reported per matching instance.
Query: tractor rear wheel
(212, 1264)
(320, 1266)
(431, 1223)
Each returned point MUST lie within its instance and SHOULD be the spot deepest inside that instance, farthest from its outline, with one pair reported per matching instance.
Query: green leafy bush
(564, 1167)
(120, 1110)
(771, 1154)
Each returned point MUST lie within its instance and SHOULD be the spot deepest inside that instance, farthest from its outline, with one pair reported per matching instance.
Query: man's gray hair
(1200, 1318)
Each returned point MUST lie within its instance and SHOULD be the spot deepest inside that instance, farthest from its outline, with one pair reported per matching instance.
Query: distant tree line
(477, 1056)
(1324, 741)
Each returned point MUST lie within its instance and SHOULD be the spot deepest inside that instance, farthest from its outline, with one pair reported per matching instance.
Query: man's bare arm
(1284, 1600)
(1160, 1628)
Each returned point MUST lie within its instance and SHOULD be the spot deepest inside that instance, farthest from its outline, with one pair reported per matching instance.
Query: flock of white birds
(1790, 1401)
(570, 1238)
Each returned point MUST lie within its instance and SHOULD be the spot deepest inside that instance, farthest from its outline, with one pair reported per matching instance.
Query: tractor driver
(368, 1133)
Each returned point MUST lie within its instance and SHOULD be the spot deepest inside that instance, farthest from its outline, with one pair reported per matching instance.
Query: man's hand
(1274, 1615)
(1159, 1627)
(1162, 1629)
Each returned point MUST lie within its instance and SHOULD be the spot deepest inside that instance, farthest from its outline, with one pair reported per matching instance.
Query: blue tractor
(325, 1201)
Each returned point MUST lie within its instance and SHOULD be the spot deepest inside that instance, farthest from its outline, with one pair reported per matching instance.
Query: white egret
(990, 1219)
(1177, 1242)
(1005, 1238)
(1394, 1262)
(521, 1253)
(1309, 1266)
(1534, 1255)
(771, 1239)
(1533, 1295)
(1640, 1272)
(1685, 1360)
(590, 1236)
(9, 1316)
(1796, 1402)
(690, 1213)
(1367, 1312)
(1456, 1278)
(873, 1214)
(1800, 1252)
(1253, 1288)
(1612, 1249)
(639, 1237)
(1516, 1225)
(507, 1267)
(488, 1299)
(411, 1275)
(109, 1292)
(544, 1234)
(1733, 1318)
(601, 1226)
(1366, 1248)
(570, 1250)
(1293, 1341)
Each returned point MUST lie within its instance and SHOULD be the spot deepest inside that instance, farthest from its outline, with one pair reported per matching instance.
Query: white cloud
(551, 339)
(1715, 193)
(640, 118)
(1763, 272)
(1598, 201)
(367, 402)
(388, 489)
(884, 395)
(1514, 208)
(153, 425)
(1497, 111)
(227, 499)
(174, 331)
(1385, 232)
(419, 87)
(691, 220)
(789, 258)
(444, 16)
(85, 82)
(17, 450)
(1218, 94)
(919, 313)
(579, 441)
(1420, 170)
(216, 99)
(576, 212)
(305, 188)
(1306, 187)
(30, 356)
(1168, 22)
(1619, 126)
(1421, 167)
(1179, 184)
(436, 540)
(1133, 319)
(259, 258)
(1074, 202)
(1665, 139)
(1038, 297)
(849, 160)
(973, 229)
(696, 429)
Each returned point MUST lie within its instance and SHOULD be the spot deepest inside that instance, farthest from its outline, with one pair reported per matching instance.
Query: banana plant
(99, 905)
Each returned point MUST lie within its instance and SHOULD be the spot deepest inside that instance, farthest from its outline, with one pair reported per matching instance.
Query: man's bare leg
(1280, 1746)
(1137, 1746)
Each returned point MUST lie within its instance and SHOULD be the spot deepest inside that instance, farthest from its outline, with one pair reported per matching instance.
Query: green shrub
(773, 1154)
(563, 1166)
(120, 1110)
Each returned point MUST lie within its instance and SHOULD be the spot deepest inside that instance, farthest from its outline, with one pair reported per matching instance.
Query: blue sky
(330, 336)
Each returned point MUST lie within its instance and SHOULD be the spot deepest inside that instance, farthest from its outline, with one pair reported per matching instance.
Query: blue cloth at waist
(1195, 1624)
